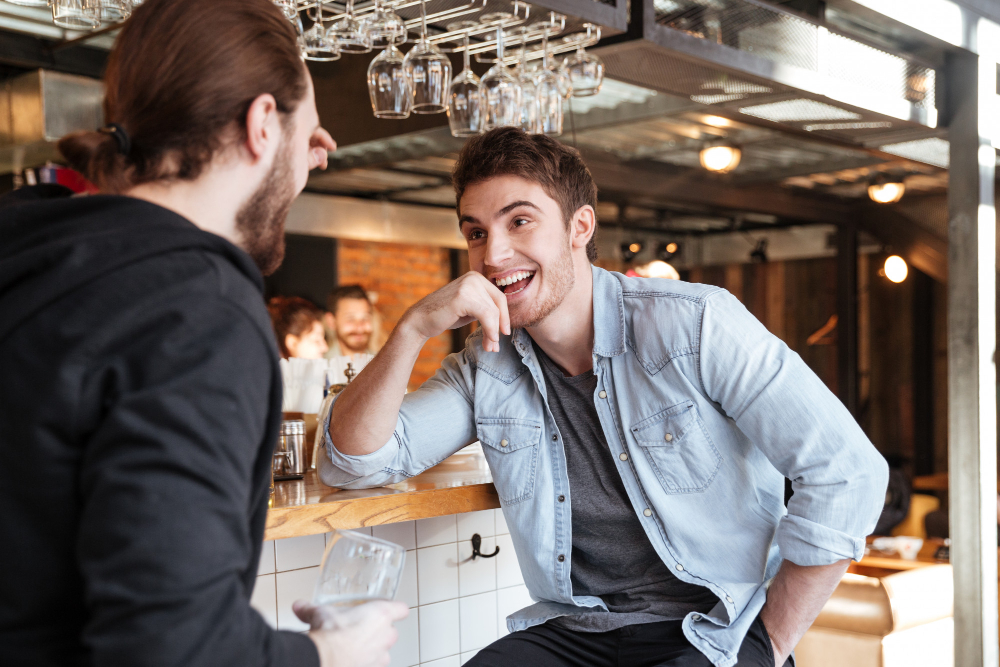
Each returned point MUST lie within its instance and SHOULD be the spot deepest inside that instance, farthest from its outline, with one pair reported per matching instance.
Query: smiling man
(638, 432)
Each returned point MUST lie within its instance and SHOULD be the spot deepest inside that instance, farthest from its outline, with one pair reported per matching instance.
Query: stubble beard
(560, 279)
(261, 219)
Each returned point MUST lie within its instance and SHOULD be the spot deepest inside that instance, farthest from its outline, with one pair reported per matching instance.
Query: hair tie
(120, 135)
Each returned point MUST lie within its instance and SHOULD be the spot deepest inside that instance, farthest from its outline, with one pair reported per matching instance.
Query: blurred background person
(351, 321)
(298, 327)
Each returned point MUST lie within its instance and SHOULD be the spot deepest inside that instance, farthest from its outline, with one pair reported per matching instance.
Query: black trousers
(648, 645)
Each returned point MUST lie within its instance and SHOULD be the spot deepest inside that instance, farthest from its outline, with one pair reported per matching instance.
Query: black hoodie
(140, 400)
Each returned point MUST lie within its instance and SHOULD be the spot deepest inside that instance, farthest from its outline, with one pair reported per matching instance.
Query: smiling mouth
(515, 282)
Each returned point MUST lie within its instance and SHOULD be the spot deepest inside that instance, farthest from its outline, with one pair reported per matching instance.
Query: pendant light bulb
(885, 190)
(895, 268)
(720, 158)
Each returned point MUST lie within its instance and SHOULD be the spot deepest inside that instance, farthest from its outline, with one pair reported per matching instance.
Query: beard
(261, 219)
(559, 280)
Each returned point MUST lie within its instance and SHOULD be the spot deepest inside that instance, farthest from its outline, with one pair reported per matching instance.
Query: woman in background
(298, 327)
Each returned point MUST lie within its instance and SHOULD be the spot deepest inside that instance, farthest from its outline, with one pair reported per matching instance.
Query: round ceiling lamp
(720, 158)
(886, 190)
(895, 268)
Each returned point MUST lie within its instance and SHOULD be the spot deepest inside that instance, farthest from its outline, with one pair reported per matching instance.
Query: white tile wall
(457, 606)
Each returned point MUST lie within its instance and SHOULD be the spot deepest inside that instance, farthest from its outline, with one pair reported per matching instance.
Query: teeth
(513, 278)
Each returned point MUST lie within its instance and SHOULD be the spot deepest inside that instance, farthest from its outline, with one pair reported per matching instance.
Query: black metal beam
(25, 52)
(847, 316)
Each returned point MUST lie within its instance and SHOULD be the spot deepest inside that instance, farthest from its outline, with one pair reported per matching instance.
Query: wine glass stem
(500, 45)
(545, 49)
(423, 21)
(350, 8)
(465, 53)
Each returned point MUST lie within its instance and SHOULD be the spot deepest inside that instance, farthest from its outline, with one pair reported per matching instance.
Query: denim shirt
(705, 413)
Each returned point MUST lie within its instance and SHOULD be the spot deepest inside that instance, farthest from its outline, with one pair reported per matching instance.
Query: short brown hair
(180, 81)
(291, 315)
(558, 169)
(345, 292)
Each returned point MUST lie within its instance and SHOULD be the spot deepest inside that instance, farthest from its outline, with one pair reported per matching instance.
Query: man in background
(140, 398)
(350, 322)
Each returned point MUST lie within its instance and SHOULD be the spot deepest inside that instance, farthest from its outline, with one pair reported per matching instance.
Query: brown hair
(345, 292)
(180, 81)
(558, 169)
(291, 315)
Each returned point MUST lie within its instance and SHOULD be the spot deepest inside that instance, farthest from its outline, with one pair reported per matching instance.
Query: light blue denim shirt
(705, 413)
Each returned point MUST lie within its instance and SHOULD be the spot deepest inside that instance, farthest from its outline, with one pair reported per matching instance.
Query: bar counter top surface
(461, 483)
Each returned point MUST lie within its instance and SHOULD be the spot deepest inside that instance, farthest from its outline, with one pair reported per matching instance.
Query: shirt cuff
(365, 464)
(806, 542)
(294, 650)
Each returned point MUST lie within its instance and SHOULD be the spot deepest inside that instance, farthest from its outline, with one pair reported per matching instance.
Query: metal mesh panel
(935, 151)
(766, 32)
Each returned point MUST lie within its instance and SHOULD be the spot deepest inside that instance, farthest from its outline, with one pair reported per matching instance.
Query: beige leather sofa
(900, 620)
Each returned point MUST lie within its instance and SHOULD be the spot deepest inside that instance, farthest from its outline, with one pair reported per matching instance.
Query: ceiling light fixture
(666, 251)
(759, 254)
(895, 268)
(720, 158)
(630, 250)
(886, 189)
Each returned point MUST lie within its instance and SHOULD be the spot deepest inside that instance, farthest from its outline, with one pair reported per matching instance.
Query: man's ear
(263, 126)
(582, 226)
(291, 344)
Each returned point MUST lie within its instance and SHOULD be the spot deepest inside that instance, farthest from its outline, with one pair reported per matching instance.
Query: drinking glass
(358, 568)
(289, 8)
(501, 92)
(550, 90)
(115, 11)
(464, 103)
(347, 33)
(388, 85)
(429, 72)
(384, 27)
(77, 14)
(585, 70)
(316, 45)
(529, 92)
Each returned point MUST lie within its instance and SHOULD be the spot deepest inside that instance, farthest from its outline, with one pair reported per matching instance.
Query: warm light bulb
(895, 269)
(635, 247)
(886, 193)
(720, 158)
(671, 248)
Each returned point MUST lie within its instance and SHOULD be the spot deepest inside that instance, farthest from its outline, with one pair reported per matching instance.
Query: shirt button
(728, 599)
(679, 567)
(623, 456)
(554, 437)
(647, 512)
(562, 499)
(603, 394)
(561, 558)
(668, 437)
(504, 443)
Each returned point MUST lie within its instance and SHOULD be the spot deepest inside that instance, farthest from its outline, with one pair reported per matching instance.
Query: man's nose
(498, 250)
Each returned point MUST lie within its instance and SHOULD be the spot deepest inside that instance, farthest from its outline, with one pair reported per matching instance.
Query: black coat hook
(477, 542)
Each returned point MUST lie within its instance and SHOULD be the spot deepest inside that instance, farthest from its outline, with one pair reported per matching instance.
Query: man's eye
(476, 234)
(520, 221)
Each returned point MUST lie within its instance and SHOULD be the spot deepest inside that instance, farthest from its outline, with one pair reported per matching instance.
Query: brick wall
(401, 274)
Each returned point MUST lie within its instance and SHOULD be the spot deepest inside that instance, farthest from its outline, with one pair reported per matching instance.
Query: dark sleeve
(165, 545)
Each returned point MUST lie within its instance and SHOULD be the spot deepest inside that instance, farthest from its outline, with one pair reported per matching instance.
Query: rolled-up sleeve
(838, 477)
(434, 422)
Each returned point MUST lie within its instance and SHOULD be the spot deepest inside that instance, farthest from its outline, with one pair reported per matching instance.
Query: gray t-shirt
(612, 557)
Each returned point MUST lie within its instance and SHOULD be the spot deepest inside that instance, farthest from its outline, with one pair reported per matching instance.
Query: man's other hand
(357, 637)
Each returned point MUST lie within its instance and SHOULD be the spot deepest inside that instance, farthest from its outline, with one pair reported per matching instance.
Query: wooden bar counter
(460, 483)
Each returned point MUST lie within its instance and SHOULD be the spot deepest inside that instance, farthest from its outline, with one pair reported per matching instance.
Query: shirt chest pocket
(511, 449)
(678, 449)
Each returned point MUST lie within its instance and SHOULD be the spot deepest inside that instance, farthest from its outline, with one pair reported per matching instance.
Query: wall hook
(477, 542)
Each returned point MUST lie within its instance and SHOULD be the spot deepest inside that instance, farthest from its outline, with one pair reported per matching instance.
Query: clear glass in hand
(358, 568)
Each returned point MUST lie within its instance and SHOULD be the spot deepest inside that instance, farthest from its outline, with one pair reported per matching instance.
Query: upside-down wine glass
(585, 70)
(465, 113)
(549, 85)
(115, 11)
(529, 92)
(315, 42)
(429, 72)
(289, 8)
(501, 91)
(347, 33)
(388, 85)
(77, 14)
(384, 27)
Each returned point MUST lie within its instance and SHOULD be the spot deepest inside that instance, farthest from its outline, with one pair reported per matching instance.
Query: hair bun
(95, 154)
